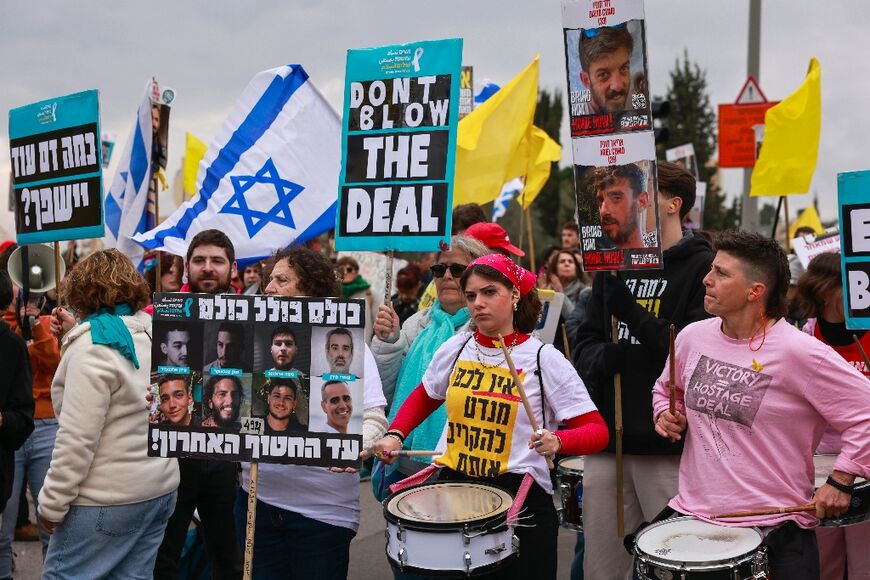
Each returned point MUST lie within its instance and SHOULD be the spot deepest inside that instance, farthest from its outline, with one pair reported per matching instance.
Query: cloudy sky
(208, 51)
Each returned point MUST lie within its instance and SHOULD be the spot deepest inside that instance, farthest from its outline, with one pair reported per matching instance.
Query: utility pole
(749, 207)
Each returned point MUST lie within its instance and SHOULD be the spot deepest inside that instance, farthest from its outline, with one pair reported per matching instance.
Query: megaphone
(40, 274)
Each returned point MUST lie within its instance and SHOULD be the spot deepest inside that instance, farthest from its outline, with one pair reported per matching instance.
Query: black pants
(792, 553)
(209, 487)
(538, 549)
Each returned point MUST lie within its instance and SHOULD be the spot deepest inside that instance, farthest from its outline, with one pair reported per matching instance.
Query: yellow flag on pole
(791, 140)
(194, 151)
(809, 218)
(541, 155)
(488, 139)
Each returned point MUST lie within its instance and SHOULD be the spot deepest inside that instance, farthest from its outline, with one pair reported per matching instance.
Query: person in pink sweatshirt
(753, 398)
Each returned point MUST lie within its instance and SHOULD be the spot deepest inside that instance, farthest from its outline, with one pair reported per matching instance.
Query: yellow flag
(809, 218)
(541, 155)
(791, 140)
(194, 151)
(489, 136)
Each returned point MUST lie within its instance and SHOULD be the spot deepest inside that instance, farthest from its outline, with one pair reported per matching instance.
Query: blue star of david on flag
(279, 213)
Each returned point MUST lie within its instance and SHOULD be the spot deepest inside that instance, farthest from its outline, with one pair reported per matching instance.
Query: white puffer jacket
(100, 457)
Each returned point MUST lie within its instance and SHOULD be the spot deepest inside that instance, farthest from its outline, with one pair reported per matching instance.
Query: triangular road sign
(751, 93)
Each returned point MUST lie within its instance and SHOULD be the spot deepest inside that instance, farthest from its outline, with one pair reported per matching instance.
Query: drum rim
(570, 470)
(445, 526)
(844, 520)
(701, 566)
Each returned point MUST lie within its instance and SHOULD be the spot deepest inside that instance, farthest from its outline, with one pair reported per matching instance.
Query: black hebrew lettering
(419, 156)
(58, 206)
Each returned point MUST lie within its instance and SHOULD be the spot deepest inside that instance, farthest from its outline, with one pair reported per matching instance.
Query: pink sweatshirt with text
(756, 417)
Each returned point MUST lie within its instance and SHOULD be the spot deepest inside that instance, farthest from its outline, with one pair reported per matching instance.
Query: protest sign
(612, 140)
(617, 204)
(605, 52)
(260, 378)
(854, 193)
(684, 155)
(466, 91)
(808, 247)
(107, 143)
(401, 107)
(548, 324)
(56, 169)
(694, 220)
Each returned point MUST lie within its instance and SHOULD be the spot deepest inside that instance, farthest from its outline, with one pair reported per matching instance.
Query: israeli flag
(127, 199)
(510, 190)
(269, 178)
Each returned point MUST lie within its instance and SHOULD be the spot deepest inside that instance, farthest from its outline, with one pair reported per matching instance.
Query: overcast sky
(208, 51)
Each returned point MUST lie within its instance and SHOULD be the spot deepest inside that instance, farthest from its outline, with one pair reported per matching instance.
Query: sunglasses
(456, 270)
(346, 269)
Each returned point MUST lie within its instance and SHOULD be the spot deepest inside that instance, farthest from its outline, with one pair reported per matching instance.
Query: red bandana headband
(517, 275)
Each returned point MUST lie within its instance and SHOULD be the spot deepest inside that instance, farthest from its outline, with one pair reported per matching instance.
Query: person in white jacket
(105, 502)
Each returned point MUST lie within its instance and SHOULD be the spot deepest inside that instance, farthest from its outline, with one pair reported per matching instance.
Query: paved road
(367, 559)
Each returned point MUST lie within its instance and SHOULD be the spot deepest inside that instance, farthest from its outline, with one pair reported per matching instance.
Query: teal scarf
(107, 328)
(442, 326)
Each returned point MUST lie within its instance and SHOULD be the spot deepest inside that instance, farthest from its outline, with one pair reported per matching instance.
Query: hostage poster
(401, 109)
(257, 378)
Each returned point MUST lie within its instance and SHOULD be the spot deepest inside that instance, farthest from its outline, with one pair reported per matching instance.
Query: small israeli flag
(126, 201)
(270, 177)
(510, 190)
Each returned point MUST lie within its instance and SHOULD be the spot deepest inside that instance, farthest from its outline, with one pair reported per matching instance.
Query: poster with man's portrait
(258, 378)
(617, 202)
(605, 53)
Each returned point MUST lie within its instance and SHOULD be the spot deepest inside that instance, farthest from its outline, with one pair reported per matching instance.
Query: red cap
(493, 236)
(6, 244)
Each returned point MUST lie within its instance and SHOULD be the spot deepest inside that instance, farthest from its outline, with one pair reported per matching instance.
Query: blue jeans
(106, 542)
(288, 545)
(32, 460)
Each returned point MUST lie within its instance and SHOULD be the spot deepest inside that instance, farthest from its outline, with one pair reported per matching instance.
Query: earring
(515, 306)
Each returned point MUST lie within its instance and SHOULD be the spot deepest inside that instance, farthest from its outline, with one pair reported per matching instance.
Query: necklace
(479, 353)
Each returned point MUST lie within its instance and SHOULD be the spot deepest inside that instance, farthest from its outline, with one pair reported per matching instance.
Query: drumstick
(808, 507)
(673, 365)
(522, 391)
(861, 350)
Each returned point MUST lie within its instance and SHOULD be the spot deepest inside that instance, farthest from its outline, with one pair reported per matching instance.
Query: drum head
(571, 464)
(693, 541)
(448, 503)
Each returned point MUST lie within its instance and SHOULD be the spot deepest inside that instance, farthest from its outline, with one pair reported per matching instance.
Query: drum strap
(540, 376)
(520, 498)
(418, 477)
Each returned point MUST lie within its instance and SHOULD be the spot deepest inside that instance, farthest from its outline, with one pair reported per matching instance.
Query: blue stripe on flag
(258, 121)
(113, 215)
(138, 159)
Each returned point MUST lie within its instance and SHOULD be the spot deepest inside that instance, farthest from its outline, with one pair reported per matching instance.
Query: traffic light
(660, 110)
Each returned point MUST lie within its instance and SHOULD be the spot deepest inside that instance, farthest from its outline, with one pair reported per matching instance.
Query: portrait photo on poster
(282, 402)
(226, 399)
(177, 347)
(337, 350)
(617, 210)
(227, 345)
(608, 90)
(282, 346)
(173, 402)
(336, 406)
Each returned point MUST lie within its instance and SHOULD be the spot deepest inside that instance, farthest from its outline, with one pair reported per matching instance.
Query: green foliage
(693, 120)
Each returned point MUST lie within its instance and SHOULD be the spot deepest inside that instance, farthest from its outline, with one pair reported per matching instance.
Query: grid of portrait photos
(258, 365)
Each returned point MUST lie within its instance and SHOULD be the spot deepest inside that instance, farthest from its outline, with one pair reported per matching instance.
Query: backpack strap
(540, 376)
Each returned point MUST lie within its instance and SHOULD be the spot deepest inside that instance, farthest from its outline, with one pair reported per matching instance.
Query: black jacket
(675, 295)
(16, 404)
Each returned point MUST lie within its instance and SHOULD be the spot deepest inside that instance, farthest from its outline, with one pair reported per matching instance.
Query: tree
(692, 120)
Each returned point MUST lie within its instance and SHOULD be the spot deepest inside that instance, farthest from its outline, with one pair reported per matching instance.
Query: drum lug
(403, 558)
(400, 532)
(495, 551)
(759, 565)
(515, 543)
(467, 564)
(466, 538)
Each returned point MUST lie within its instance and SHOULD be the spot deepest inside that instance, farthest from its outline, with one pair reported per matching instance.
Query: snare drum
(687, 548)
(859, 507)
(450, 528)
(569, 474)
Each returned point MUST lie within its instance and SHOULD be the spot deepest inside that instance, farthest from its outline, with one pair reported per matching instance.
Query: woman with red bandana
(469, 372)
